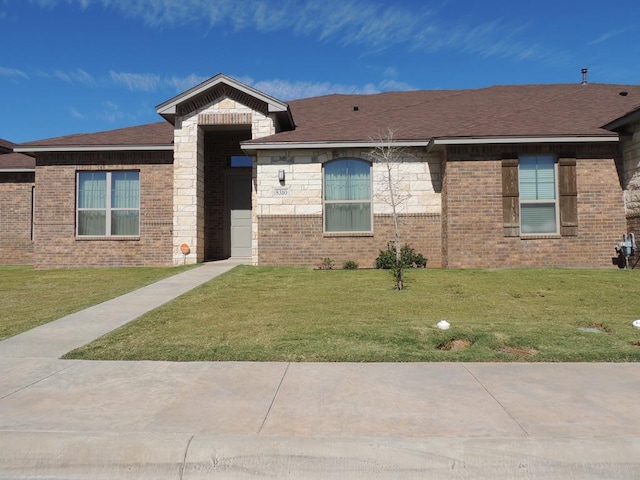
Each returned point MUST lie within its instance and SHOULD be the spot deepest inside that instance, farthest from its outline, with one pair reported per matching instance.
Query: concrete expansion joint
(184, 458)
(26, 386)
(273, 400)
(496, 400)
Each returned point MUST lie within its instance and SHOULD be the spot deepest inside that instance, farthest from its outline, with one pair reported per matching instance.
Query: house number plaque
(280, 192)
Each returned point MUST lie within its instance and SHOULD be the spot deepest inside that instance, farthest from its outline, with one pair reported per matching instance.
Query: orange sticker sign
(184, 248)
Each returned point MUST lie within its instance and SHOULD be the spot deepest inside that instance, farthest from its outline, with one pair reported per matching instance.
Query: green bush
(408, 258)
(350, 265)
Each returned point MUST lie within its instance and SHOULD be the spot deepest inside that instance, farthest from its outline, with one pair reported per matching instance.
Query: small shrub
(350, 265)
(326, 263)
(408, 258)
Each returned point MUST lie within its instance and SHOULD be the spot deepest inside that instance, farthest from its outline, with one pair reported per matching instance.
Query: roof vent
(584, 76)
(355, 108)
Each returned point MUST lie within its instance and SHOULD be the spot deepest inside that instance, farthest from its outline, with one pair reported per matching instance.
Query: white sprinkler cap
(443, 325)
(636, 323)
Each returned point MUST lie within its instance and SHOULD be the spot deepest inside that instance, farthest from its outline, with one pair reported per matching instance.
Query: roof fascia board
(516, 140)
(94, 148)
(17, 170)
(310, 145)
(431, 142)
(624, 121)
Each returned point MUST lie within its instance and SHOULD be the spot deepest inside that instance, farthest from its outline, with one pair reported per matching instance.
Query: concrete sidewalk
(75, 419)
(54, 339)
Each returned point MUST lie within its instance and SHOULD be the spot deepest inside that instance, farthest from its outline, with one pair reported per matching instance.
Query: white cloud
(111, 113)
(370, 24)
(394, 85)
(606, 36)
(76, 76)
(285, 90)
(180, 84)
(75, 113)
(12, 73)
(142, 82)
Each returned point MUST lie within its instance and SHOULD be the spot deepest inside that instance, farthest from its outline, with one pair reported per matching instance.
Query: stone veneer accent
(56, 244)
(290, 228)
(631, 180)
(16, 243)
(473, 221)
(189, 161)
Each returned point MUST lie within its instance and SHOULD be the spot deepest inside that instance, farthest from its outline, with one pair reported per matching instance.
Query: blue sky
(75, 66)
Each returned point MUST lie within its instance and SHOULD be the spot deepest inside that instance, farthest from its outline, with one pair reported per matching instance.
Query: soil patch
(455, 344)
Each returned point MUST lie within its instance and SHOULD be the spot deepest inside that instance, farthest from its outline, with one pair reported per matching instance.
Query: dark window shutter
(568, 191)
(510, 198)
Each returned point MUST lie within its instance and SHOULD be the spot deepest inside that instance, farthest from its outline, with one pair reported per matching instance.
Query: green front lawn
(296, 314)
(29, 297)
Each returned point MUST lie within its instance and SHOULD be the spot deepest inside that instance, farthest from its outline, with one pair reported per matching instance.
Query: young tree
(388, 154)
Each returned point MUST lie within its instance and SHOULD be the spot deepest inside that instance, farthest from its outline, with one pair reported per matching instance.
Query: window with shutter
(539, 196)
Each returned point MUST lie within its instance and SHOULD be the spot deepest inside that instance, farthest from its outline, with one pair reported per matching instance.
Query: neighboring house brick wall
(16, 245)
(56, 244)
(290, 227)
(474, 217)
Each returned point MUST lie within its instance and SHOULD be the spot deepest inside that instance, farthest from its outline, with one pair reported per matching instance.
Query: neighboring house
(506, 176)
(16, 205)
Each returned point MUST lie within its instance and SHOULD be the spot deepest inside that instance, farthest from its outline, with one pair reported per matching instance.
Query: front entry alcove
(227, 192)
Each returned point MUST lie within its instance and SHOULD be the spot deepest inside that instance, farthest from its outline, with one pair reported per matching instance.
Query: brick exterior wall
(56, 244)
(299, 240)
(16, 245)
(472, 193)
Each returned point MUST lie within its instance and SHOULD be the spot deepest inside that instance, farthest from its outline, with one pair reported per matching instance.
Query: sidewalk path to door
(75, 419)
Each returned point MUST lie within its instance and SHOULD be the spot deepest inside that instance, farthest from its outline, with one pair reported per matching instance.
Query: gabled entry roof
(201, 94)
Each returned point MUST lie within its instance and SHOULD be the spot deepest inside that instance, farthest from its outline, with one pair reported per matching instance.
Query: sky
(80, 66)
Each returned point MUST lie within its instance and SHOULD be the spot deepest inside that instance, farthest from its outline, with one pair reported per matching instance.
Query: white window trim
(325, 202)
(108, 209)
(555, 202)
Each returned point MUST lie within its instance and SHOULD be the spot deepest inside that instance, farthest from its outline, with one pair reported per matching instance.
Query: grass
(295, 314)
(32, 297)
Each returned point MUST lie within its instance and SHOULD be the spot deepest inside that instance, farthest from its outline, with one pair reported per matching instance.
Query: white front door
(239, 195)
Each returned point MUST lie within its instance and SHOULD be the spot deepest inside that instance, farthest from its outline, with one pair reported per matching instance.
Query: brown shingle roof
(511, 111)
(499, 111)
(160, 133)
(6, 145)
(17, 161)
(14, 161)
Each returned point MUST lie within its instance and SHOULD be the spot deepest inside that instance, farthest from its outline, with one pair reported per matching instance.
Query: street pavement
(75, 419)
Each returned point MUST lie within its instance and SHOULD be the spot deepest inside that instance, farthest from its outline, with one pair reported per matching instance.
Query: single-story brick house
(17, 172)
(505, 176)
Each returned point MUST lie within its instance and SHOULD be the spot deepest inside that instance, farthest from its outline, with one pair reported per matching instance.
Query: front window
(108, 203)
(538, 206)
(347, 196)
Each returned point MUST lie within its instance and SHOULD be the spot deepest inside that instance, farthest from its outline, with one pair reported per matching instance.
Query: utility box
(624, 250)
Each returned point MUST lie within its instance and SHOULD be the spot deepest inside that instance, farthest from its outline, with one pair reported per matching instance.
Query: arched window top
(347, 179)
